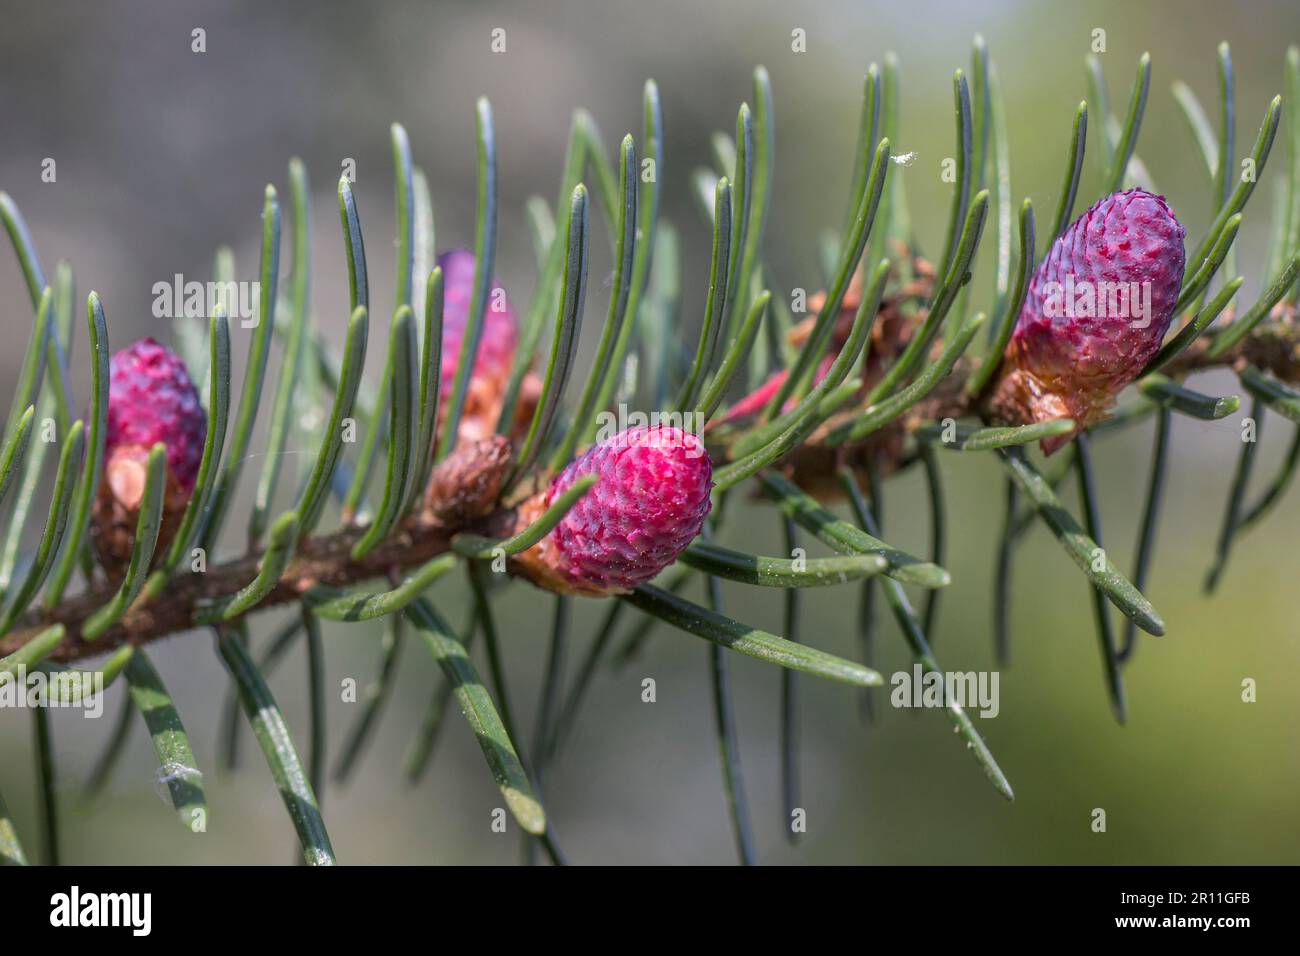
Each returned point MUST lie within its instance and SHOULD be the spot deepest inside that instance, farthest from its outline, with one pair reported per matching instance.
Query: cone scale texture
(1095, 313)
(649, 503)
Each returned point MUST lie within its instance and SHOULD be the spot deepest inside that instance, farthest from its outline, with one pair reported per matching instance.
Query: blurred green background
(162, 154)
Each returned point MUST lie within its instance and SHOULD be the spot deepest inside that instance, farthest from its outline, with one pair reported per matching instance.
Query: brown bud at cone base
(467, 483)
(116, 509)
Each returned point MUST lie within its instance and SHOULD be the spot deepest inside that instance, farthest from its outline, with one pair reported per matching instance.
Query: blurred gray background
(162, 154)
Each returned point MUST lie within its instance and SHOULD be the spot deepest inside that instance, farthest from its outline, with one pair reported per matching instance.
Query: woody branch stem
(327, 560)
